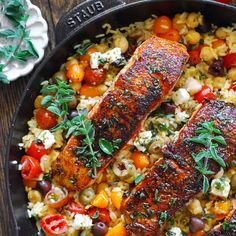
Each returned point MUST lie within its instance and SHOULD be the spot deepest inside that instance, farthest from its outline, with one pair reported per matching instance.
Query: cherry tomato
(162, 25)
(230, 60)
(225, 1)
(30, 168)
(103, 214)
(57, 197)
(45, 118)
(94, 76)
(233, 86)
(75, 73)
(37, 150)
(194, 57)
(172, 35)
(54, 224)
(205, 92)
(89, 91)
(86, 57)
(76, 208)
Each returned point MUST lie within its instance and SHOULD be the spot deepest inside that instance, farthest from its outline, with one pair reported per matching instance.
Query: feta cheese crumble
(180, 96)
(37, 209)
(47, 138)
(82, 222)
(143, 139)
(192, 85)
(220, 187)
(174, 231)
(109, 57)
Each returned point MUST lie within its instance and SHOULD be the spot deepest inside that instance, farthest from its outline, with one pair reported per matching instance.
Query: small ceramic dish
(38, 28)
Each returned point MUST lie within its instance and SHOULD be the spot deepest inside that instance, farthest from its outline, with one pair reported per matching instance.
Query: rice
(158, 130)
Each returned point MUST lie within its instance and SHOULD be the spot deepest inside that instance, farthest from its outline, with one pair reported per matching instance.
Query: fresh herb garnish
(138, 179)
(57, 97)
(96, 215)
(162, 217)
(81, 49)
(209, 137)
(106, 146)
(23, 49)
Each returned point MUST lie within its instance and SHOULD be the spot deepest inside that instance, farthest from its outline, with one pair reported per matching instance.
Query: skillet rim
(48, 57)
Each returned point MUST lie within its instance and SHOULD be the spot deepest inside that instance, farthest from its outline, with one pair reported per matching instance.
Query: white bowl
(38, 28)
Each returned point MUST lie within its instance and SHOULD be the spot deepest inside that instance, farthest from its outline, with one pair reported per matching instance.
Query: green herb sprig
(57, 97)
(16, 12)
(211, 138)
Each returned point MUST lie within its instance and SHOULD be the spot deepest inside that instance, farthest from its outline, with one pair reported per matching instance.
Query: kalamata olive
(73, 102)
(196, 224)
(99, 229)
(217, 67)
(168, 108)
(72, 114)
(206, 27)
(233, 182)
(44, 186)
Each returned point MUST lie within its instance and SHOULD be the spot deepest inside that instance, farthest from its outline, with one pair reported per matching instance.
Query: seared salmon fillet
(138, 89)
(174, 180)
(227, 227)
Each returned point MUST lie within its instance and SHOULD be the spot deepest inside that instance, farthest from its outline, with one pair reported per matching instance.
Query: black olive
(168, 108)
(72, 114)
(44, 186)
(99, 229)
(204, 28)
(217, 67)
(196, 224)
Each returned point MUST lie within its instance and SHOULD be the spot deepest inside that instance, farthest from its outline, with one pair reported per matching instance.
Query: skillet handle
(80, 14)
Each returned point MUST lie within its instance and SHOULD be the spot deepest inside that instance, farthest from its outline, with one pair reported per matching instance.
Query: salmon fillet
(227, 227)
(174, 180)
(138, 89)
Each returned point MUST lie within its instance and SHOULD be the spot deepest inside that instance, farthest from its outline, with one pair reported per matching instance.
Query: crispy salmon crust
(173, 180)
(138, 89)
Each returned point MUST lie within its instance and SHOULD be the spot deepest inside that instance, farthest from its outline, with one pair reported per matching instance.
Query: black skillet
(85, 21)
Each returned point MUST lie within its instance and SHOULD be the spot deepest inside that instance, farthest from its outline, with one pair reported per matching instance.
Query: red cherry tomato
(172, 35)
(225, 1)
(205, 92)
(76, 208)
(57, 197)
(94, 76)
(194, 57)
(30, 168)
(45, 118)
(230, 60)
(162, 25)
(233, 86)
(103, 214)
(54, 224)
(37, 150)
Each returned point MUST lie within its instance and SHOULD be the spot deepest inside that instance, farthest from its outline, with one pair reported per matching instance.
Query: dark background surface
(10, 96)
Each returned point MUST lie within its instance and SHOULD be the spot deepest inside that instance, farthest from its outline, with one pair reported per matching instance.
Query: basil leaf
(105, 146)
(138, 179)
(206, 184)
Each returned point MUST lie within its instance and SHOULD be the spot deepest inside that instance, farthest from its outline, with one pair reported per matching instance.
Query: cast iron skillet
(85, 21)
